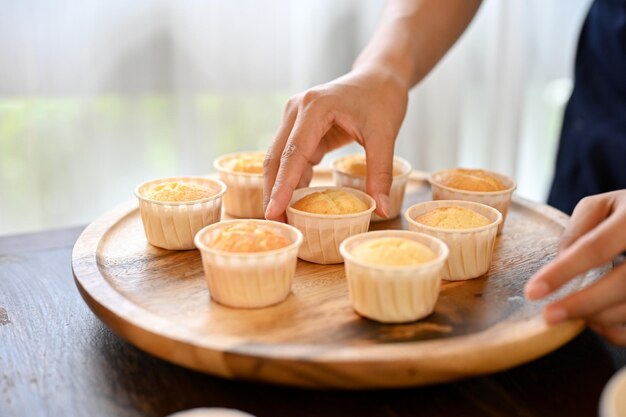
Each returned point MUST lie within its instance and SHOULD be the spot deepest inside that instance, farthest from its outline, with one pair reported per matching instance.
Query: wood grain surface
(58, 359)
(158, 301)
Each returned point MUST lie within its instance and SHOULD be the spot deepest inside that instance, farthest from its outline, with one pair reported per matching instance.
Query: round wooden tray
(158, 300)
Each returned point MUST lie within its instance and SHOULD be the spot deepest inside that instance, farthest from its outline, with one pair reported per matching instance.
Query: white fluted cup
(244, 197)
(323, 233)
(394, 294)
(211, 412)
(173, 225)
(500, 200)
(396, 192)
(613, 398)
(471, 250)
(249, 279)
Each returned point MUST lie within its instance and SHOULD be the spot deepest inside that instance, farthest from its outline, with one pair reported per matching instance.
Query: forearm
(414, 35)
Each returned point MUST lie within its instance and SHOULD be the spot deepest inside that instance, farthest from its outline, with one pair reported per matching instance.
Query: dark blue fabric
(592, 150)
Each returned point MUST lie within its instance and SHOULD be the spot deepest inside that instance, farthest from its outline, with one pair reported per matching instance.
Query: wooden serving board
(158, 301)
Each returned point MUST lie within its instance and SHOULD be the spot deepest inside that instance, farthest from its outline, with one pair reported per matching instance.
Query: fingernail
(536, 290)
(383, 204)
(269, 211)
(555, 315)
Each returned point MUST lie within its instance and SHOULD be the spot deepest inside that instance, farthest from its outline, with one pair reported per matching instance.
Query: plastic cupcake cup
(250, 279)
(470, 249)
(500, 200)
(394, 294)
(324, 233)
(396, 192)
(244, 198)
(173, 225)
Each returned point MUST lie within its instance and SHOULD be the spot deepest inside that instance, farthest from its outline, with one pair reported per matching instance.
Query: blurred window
(97, 96)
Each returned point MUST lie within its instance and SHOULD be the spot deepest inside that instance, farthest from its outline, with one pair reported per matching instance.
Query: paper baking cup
(244, 197)
(394, 294)
(470, 249)
(613, 398)
(396, 192)
(249, 280)
(500, 200)
(324, 233)
(173, 225)
(211, 412)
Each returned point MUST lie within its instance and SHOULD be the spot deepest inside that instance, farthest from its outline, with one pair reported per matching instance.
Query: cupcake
(249, 263)
(327, 216)
(243, 174)
(469, 229)
(350, 171)
(173, 210)
(477, 185)
(394, 276)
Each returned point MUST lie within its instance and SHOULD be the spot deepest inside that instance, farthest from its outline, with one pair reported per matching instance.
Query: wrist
(383, 75)
(385, 68)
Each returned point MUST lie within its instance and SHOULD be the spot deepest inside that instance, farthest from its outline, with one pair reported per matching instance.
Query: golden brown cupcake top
(393, 251)
(248, 237)
(330, 202)
(356, 165)
(178, 191)
(453, 218)
(471, 180)
(249, 163)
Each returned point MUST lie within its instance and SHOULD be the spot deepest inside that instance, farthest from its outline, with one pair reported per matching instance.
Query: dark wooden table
(58, 359)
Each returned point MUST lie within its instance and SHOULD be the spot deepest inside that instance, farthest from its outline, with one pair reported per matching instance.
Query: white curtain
(96, 96)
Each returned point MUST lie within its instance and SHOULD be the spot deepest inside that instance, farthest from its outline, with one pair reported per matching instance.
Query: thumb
(379, 159)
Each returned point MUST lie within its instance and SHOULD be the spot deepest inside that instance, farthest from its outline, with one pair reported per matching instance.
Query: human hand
(595, 235)
(366, 105)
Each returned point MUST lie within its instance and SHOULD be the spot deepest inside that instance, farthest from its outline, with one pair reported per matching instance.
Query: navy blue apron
(592, 149)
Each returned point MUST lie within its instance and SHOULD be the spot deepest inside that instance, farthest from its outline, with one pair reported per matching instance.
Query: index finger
(589, 212)
(309, 128)
(272, 157)
(593, 249)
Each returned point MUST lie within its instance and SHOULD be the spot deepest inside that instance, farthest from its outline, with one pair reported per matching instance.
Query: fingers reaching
(589, 212)
(366, 105)
(591, 250)
(594, 302)
(309, 127)
(272, 158)
(593, 238)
